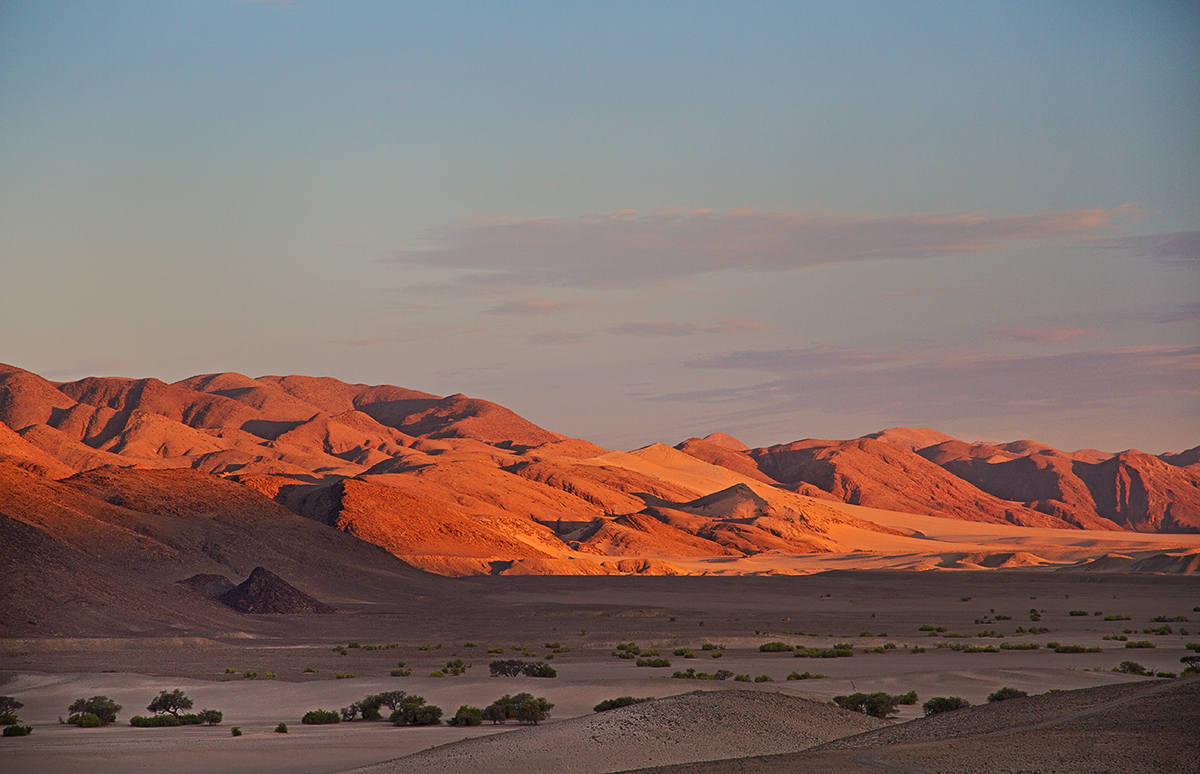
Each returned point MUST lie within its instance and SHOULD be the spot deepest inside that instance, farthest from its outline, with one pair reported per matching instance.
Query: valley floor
(590, 616)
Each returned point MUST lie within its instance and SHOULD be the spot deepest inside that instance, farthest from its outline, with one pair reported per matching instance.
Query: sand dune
(698, 726)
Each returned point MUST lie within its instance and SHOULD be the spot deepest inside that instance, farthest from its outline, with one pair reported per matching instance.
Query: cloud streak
(1039, 335)
(953, 386)
(627, 248)
(670, 328)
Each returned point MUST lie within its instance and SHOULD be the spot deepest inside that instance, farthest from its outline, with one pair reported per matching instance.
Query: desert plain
(400, 532)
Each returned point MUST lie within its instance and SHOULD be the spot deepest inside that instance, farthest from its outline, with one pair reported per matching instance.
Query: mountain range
(206, 475)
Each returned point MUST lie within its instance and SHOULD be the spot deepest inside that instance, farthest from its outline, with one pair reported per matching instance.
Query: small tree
(101, 706)
(173, 702)
(1006, 693)
(533, 710)
(467, 716)
(944, 704)
(211, 717)
(494, 713)
(9, 705)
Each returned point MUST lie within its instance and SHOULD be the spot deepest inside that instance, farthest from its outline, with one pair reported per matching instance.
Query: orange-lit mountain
(463, 486)
(1023, 482)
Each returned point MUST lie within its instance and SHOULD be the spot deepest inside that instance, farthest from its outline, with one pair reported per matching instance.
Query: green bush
(1019, 646)
(467, 716)
(1117, 618)
(879, 704)
(320, 717)
(1140, 644)
(345, 675)
(88, 720)
(101, 706)
(413, 711)
(9, 720)
(764, 679)
(281, 728)
(401, 672)
(657, 663)
(1005, 693)
(775, 647)
(620, 701)
(944, 704)
(712, 646)
(805, 676)
(742, 678)
(155, 721)
(692, 674)
(211, 717)
(1077, 612)
(1131, 668)
(1075, 649)
(455, 667)
(684, 652)
(15, 730)
(9, 706)
(235, 731)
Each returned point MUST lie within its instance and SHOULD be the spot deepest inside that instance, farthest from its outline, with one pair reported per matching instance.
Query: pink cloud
(1045, 334)
(626, 248)
(556, 338)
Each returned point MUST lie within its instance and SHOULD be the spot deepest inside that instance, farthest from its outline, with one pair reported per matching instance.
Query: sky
(628, 222)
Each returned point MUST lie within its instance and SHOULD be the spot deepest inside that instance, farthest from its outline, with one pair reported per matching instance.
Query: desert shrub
(211, 717)
(742, 678)
(1116, 637)
(539, 669)
(466, 716)
(413, 711)
(654, 662)
(533, 710)
(775, 647)
(9, 706)
(309, 670)
(455, 667)
(87, 720)
(717, 654)
(1140, 644)
(1161, 631)
(15, 730)
(1005, 693)
(156, 721)
(712, 646)
(620, 701)
(101, 706)
(281, 728)
(235, 731)
(628, 647)
(944, 704)
(961, 648)
(764, 679)
(879, 704)
(340, 649)
(250, 675)
(1169, 619)
(1075, 649)
(1193, 646)
(401, 672)
(1004, 618)
(1117, 618)
(928, 628)
(1131, 668)
(345, 675)
(169, 702)
(840, 650)
(1077, 612)
(1164, 674)
(437, 673)
(353, 645)
(320, 717)
(805, 676)
(692, 674)
(684, 652)
(1019, 646)
(917, 649)
(907, 698)
(9, 720)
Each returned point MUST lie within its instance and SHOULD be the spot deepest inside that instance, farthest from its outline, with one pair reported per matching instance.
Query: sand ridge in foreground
(696, 726)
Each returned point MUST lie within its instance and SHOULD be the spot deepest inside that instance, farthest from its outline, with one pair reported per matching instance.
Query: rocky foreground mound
(265, 593)
(698, 726)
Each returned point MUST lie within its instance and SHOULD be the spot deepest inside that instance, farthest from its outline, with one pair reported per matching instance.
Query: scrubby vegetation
(620, 701)
(101, 707)
(513, 667)
(1131, 668)
(1005, 693)
(172, 702)
(692, 674)
(281, 728)
(775, 647)
(840, 650)
(319, 717)
(1019, 646)
(944, 704)
(15, 730)
(653, 662)
(524, 708)
(805, 676)
(1140, 644)
(879, 704)
(466, 716)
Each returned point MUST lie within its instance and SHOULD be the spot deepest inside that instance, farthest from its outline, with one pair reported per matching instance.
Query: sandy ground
(590, 616)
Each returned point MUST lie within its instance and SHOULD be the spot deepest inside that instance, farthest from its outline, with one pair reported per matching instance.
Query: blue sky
(629, 222)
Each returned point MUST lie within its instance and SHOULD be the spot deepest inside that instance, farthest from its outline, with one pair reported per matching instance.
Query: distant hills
(205, 475)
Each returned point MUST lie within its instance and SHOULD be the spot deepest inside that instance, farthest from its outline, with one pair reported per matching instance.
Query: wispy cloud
(914, 386)
(527, 307)
(1181, 313)
(1175, 247)
(358, 342)
(1045, 334)
(556, 338)
(670, 328)
(626, 248)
